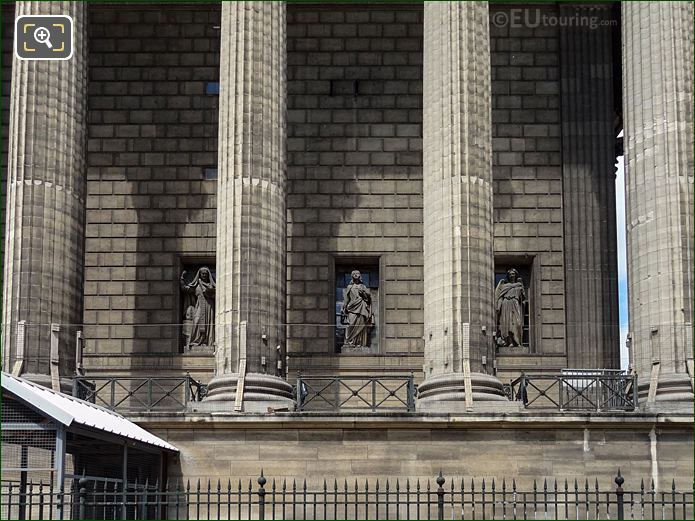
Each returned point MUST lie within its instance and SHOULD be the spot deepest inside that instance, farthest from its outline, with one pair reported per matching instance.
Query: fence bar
(619, 480)
(96, 499)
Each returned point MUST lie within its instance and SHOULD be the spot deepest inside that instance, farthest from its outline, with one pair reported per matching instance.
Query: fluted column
(588, 184)
(457, 212)
(251, 220)
(658, 123)
(44, 240)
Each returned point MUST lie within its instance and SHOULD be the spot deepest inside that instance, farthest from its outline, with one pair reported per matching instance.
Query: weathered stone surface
(588, 172)
(524, 447)
(658, 114)
(152, 132)
(457, 196)
(44, 244)
(251, 220)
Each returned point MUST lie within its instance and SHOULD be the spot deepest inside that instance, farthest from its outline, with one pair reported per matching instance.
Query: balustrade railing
(139, 394)
(577, 390)
(355, 393)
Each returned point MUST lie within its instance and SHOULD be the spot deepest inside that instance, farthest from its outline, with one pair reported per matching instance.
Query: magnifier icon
(43, 35)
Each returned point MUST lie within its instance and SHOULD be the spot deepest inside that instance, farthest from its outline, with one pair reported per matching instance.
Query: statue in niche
(357, 313)
(510, 299)
(199, 306)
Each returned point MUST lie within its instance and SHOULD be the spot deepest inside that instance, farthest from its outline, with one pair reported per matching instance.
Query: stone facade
(659, 162)
(526, 144)
(351, 150)
(479, 446)
(152, 132)
(355, 176)
(44, 234)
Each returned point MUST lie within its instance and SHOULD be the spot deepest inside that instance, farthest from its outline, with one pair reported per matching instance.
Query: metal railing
(133, 394)
(577, 390)
(438, 498)
(355, 393)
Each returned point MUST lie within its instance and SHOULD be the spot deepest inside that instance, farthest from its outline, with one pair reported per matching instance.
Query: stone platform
(520, 445)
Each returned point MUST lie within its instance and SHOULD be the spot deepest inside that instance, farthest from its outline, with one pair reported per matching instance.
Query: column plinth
(658, 122)
(251, 217)
(457, 208)
(46, 184)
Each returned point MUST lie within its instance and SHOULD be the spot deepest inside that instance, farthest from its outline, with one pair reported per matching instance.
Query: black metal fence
(438, 498)
(577, 391)
(139, 394)
(355, 393)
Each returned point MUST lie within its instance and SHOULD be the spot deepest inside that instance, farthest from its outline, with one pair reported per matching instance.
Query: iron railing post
(634, 392)
(619, 480)
(299, 392)
(411, 393)
(373, 395)
(83, 498)
(187, 390)
(261, 497)
(440, 496)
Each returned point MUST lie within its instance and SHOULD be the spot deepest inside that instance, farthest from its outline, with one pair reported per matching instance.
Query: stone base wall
(484, 446)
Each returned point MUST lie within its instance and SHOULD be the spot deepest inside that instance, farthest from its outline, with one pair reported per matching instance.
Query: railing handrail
(370, 403)
(611, 392)
(181, 389)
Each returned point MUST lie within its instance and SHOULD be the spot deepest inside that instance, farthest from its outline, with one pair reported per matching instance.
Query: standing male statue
(510, 298)
(199, 307)
(357, 308)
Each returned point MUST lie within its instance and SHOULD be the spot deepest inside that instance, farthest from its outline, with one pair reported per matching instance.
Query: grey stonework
(658, 115)
(44, 241)
(588, 173)
(457, 207)
(527, 179)
(354, 171)
(152, 131)
(7, 12)
(354, 177)
(251, 220)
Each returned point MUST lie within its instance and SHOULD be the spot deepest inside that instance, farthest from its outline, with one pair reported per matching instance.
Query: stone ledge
(533, 420)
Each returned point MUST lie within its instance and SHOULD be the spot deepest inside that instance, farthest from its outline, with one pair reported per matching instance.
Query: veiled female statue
(199, 307)
(510, 298)
(357, 308)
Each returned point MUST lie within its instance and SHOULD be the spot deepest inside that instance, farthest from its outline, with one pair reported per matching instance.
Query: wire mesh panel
(28, 457)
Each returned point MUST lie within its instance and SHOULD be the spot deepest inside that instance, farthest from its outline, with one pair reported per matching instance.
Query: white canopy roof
(68, 410)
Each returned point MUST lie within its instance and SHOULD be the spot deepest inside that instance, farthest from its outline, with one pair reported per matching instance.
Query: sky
(622, 262)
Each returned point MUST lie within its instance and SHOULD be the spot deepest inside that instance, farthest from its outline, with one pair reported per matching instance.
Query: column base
(446, 393)
(672, 389)
(261, 392)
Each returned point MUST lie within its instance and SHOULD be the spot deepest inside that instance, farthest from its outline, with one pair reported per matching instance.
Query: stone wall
(354, 169)
(527, 170)
(7, 52)
(525, 448)
(152, 132)
(355, 175)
